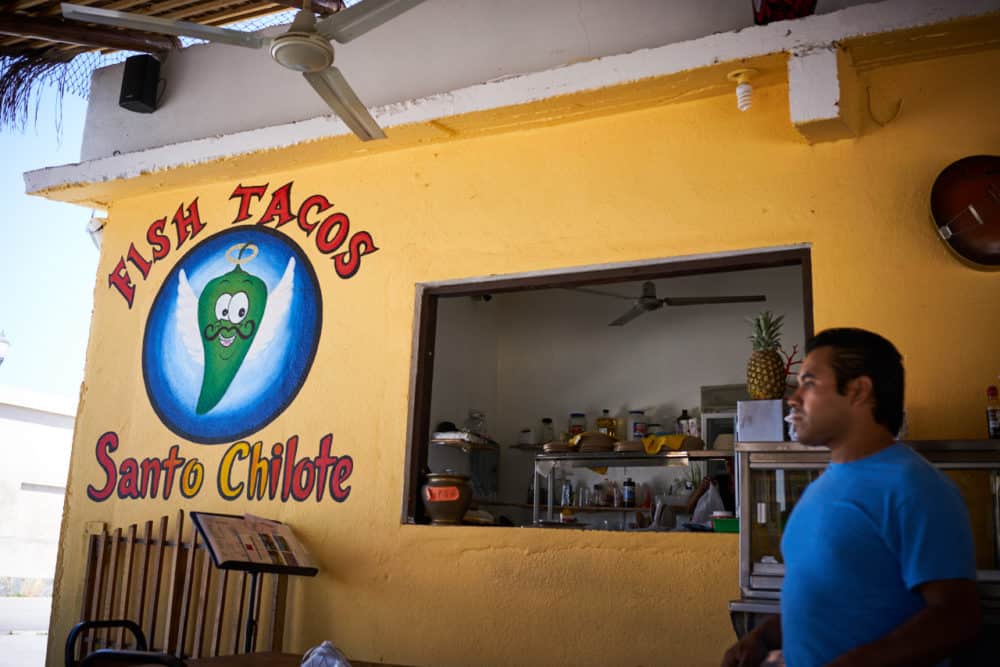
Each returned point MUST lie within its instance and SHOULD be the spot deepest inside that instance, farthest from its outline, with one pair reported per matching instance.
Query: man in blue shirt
(879, 556)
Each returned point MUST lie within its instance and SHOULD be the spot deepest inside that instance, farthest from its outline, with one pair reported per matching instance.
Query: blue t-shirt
(860, 540)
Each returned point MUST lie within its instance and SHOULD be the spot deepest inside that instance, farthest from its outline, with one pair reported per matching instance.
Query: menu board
(252, 543)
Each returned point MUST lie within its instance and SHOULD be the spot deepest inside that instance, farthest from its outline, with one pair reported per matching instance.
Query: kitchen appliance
(771, 477)
(718, 413)
(715, 424)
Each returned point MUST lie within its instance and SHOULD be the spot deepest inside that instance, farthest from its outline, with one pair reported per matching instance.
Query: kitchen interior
(518, 357)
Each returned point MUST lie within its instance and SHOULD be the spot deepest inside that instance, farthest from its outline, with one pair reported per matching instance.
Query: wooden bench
(166, 583)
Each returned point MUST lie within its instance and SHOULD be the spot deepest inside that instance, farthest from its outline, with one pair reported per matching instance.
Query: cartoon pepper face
(229, 314)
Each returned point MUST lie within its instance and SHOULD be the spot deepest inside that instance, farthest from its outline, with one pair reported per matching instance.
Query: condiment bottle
(628, 493)
(682, 423)
(577, 423)
(636, 424)
(992, 412)
(607, 424)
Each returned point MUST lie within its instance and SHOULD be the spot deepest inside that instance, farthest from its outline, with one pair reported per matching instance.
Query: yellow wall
(660, 182)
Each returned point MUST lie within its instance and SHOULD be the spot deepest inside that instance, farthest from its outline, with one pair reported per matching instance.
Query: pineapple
(766, 369)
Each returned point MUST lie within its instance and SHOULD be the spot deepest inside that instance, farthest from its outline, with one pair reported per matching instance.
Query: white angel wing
(278, 303)
(187, 319)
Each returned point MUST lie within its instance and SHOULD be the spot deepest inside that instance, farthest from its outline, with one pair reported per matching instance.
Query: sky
(48, 264)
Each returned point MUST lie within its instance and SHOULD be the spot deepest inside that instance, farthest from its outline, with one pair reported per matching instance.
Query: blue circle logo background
(274, 368)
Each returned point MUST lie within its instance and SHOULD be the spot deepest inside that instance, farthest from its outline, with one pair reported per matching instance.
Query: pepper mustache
(244, 330)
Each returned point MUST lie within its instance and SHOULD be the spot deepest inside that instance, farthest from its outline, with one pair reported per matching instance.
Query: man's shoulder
(915, 477)
(901, 455)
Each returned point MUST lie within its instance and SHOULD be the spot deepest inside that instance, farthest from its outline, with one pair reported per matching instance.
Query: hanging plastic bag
(709, 502)
(325, 655)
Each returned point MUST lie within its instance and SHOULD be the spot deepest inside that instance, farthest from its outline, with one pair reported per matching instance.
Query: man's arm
(751, 650)
(696, 495)
(952, 617)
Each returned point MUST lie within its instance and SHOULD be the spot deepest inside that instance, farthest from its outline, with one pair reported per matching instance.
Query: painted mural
(229, 341)
(220, 358)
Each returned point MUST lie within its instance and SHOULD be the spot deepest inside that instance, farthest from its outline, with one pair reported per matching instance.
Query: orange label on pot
(441, 493)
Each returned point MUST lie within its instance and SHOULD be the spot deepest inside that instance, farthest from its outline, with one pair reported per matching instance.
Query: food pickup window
(504, 365)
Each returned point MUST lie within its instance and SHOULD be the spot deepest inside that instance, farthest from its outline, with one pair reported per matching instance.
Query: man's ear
(860, 390)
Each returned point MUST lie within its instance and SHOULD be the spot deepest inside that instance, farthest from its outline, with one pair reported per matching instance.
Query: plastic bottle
(636, 424)
(682, 423)
(577, 423)
(566, 499)
(548, 432)
(607, 424)
(475, 423)
(992, 412)
(628, 493)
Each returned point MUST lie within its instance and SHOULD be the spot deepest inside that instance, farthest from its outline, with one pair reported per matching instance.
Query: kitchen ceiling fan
(304, 48)
(648, 301)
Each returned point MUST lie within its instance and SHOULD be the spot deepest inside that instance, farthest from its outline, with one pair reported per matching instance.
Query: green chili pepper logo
(231, 321)
(229, 313)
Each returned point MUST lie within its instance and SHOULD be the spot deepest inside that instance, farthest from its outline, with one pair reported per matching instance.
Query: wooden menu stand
(253, 545)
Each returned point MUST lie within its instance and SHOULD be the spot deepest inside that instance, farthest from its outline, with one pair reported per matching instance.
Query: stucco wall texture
(651, 183)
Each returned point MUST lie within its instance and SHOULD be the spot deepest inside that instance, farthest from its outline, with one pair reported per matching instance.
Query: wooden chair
(183, 605)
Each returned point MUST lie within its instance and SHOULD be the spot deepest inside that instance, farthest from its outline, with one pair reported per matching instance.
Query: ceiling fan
(648, 301)
(304, 48)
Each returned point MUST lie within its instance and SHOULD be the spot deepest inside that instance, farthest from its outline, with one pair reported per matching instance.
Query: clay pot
(446, 497)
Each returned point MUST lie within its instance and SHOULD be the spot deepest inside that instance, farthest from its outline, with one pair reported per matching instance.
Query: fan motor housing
(302, 52)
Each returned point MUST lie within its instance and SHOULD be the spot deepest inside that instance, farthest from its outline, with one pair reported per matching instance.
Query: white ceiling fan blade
(362, 17)
(336, 92)
(164, 26)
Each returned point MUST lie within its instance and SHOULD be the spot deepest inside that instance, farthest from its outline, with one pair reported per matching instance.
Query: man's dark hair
(857, 352)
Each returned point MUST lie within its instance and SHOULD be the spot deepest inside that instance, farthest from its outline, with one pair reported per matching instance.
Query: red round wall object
(766, 11)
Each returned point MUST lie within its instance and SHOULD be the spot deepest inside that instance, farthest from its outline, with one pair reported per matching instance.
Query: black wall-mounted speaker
(139, 84)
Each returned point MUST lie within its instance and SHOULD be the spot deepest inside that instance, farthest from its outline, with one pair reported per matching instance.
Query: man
(879, 558)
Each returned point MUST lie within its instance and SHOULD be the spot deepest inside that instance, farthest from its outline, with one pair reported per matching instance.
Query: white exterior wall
(36, 434)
